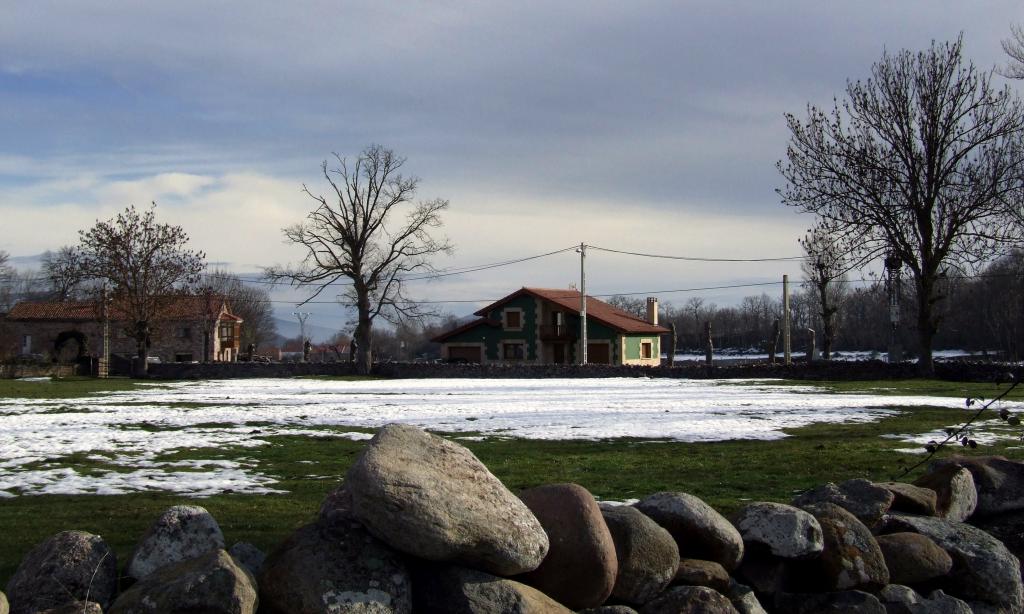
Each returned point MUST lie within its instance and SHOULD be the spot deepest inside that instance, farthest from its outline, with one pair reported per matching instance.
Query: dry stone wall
(420, 525)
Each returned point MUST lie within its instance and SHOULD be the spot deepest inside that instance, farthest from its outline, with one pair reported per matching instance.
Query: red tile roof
(599, 310)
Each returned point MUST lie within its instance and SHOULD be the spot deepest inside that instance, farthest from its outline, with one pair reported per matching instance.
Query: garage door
(464, 354)
(598, 354)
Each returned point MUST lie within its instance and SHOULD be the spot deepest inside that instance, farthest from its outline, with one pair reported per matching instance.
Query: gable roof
(467, 326)
(569, 300)
(187, 307)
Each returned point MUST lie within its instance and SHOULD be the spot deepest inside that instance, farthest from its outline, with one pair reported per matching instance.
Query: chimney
(652, 310)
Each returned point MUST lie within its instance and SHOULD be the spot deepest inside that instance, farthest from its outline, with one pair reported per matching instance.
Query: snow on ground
(132, 430)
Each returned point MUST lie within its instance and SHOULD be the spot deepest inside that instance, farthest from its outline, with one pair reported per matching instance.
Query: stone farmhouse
(542, 325)
(189, 328)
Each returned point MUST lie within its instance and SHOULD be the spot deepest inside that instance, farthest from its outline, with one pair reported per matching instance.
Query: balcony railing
(557, 332)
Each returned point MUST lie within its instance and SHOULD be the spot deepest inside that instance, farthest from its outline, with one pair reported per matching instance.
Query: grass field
(726, 474)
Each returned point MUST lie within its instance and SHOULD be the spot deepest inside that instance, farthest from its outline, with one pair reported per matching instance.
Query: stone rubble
(420, 525)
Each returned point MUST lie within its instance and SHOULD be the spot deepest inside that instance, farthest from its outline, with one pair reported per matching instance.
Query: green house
(542, 326)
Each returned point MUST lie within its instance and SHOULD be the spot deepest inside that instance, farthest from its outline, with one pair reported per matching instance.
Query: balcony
(557, 332)
(227, 343)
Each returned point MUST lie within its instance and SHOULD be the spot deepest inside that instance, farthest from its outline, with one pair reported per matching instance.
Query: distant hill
(289, 329)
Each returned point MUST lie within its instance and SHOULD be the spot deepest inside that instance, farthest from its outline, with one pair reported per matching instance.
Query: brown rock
(695, 572)
(860, 497)
(689, 600)
(851, 557)
(448, 589)
(911, 499)
(913, 558)
(580, 568)
(954, 486)
(699, 530)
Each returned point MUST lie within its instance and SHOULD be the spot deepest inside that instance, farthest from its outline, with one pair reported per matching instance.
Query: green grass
(67, 387)
(725, 474)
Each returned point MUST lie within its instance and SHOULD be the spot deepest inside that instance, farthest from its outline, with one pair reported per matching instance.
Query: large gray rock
(447, 589)
(580, 568)
(689, 600)
(913, 558)
(841, 602)
(851, 558)
(249, 556)
(180, 533)
(784, 530)
(211, 583)
(75, 607)
(433, 499)
(983, 569)
(998, 481)
(743, 598)
(648, 556)
(67, 567)
(699, 530)
(911, 499)
(334, 570)
(954, 487)
(695, 572)
(860, 497)
(899, 599)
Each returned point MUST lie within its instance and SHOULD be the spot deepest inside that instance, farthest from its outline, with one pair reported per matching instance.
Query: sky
(645, 126)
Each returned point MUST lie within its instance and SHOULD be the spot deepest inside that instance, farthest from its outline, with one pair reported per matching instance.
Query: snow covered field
(128, 432)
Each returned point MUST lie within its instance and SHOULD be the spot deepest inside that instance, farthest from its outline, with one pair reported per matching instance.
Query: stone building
(188, 328)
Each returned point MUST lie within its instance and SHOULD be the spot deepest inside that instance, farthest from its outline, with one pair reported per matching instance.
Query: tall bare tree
(828, 257)
(368, 232)
(923, 159)
(146, 265)
(1014, 48)
(61, 270)
(247, 301)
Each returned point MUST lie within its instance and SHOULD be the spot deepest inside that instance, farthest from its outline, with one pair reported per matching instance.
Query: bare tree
(370, 233)
(61, 269)
(924, 159)
(146, 264)
(828, 257)
(632, 305)
(1014, 47)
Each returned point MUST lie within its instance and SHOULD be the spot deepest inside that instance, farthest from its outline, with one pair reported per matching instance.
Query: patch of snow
(131, 430)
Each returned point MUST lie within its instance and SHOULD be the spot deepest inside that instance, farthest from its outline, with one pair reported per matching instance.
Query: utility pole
(787, 348)
(103, 368)
(302, 316)
(582, 251)
(893, 268)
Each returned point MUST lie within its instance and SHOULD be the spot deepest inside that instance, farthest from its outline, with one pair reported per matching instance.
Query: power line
(695, 258)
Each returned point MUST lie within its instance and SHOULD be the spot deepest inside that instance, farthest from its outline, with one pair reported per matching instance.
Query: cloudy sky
(647, 126)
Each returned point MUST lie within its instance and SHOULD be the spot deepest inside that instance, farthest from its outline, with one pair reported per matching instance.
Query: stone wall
(861, 370)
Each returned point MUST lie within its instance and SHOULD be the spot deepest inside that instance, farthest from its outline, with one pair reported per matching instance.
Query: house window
(185, 332)
(227, 331)
(514, 319)
(513, 351)
(646, 349)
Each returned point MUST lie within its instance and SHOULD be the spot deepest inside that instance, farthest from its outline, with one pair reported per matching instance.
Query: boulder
(211, 583)
(695, 572)
(699, 530)
(998, 480)
(75, 607)
(841, 602)
(580, 568)
(448, 589)
(899, 599)
(983, 569)
(336, 506)
(648, 556)
(766, 573)
(913, 558)
(743, 598)
(911, 499)
(249, 556)
(69, 566)
(609, 609)
(5, 608)
(785, 531)
(337, 569)
(957, 497)
(432, 498)
(851, 558)
(689, 600)
(1007, 528)
(860, 497)
(180, 533)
